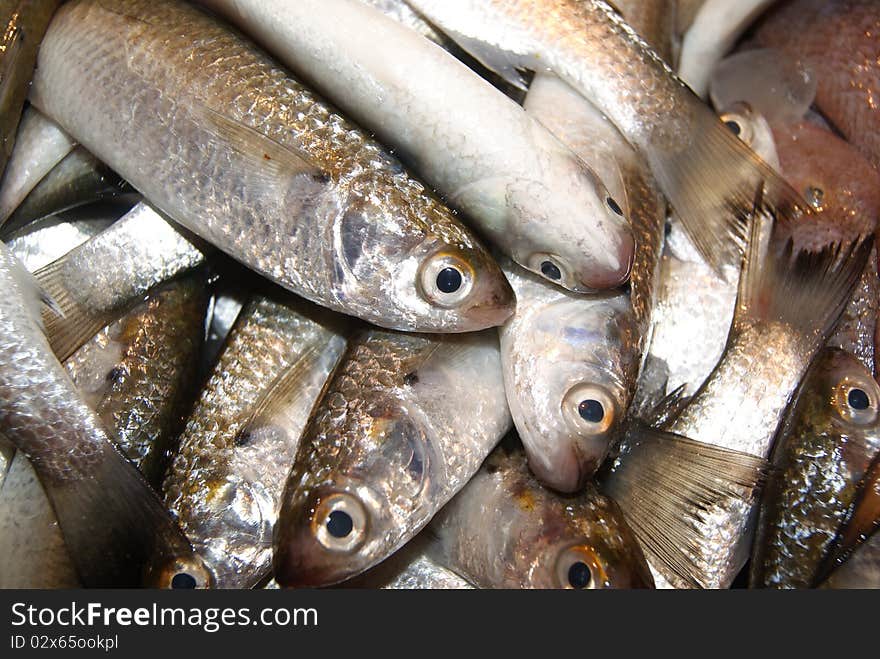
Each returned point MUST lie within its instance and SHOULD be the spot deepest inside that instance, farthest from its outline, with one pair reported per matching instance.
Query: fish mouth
(568, 472)
(612, 276)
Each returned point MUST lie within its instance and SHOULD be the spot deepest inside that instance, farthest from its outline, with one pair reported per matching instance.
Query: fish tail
(807, 290)
(67, 323)
(667, 486)
(710, 183)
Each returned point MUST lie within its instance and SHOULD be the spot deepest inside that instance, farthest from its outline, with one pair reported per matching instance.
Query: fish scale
(202, 125)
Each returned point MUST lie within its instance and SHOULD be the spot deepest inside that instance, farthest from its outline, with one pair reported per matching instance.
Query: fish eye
(549, 266)
(183, 581)
(445, 280)
(856, 399)
(614, 206)
(578, 568)
(339, 522)
(739, 126)
(590, 409)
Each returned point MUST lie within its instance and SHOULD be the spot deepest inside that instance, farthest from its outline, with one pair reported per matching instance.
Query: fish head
(184, 571)
(586, 545)
(577, 369)
(574, 235)
(359, 513)
(424, 276)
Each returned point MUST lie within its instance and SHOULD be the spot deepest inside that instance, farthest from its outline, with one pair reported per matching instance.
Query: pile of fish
(439, 294)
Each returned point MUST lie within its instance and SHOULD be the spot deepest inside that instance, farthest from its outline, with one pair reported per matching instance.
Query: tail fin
(806, 290)
(667, 486)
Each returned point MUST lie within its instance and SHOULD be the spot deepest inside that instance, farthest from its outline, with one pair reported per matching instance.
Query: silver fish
(95, 283)
(225, 483)
(222, 140)
(39, 146)
(503, 530)
(707, 175)
(518, 185)
(403, 424)
(116, 529)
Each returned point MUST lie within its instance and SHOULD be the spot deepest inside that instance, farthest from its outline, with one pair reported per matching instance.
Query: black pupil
(550, 271)
(591, 410)
(449, 280)
(858, 399)
(579, 575)
(182, 581)
(734, 127)
(339, 524)
(613, 205)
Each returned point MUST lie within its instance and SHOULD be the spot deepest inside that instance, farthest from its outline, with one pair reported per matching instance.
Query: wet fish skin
(861, 570)
(504, 530)
(137, 373)
(824, 448)
(34, 553)
(98, 281)
(225, 483)
(514, 181)
(114, 540)
(561, 352)
(403, 424)
(22, 24)
(837, 39)
(77, 180)
(330, 215)
(40, 145)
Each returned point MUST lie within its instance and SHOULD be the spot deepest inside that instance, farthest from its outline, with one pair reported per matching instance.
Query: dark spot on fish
(492, 468)
(411, 378)
(591, 410)
(243, 438)
(667, 229)
(858, 399)
(115, 374)
(449, 280)
(266, 156)
(355, 229)
(183, 581)
(614, 206)
(551, 271)
(815, 195)
(734, 127)
(339, 524)
(626, 288)
(579, 575)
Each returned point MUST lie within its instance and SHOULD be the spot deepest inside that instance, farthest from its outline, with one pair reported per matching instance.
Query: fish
(139, 251)
(861, 570)
(405, 421)
(787, 305)
(825, 446)
(78, 180)
(693, 303)
(223, 141)
(126, 538)
(410, 568)
(137, 374)
(34, 552)
(839, 181)
(7, 453)
(40, 145)
(504, 530)
(516, 183)
(708, 176)
(715, 30)
(654, 22)
(22, 25)
(46, 240)
(837, 40)
(225, 482)
(571, 361)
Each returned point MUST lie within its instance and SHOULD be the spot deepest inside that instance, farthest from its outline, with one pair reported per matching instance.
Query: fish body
(121, 539)
(504, 530)
(824, 448)
(40, 243)
(137, 373)
(861, 570)
(403, 424)
(518, 185)
(225, 483)
(223, 141)
(22, 25)
(707, 175)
